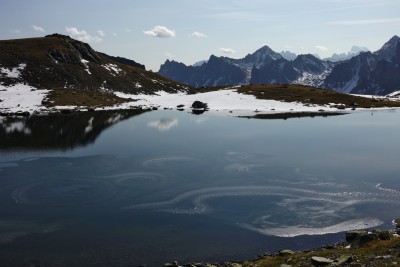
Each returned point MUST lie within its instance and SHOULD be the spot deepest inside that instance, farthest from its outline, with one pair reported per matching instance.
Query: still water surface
(125, 189)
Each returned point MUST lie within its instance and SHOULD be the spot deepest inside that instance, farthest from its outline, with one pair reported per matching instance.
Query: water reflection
(238, 187)
(58, 131)
(163, 125)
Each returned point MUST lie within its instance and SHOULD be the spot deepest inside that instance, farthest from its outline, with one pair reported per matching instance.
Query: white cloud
(160, 32)
(163, 124)
(38, 28)
(101, 33)
(198, 35)
(82, 35)
(170, 55)
(321, 48)
(365, 21)
(227, 50)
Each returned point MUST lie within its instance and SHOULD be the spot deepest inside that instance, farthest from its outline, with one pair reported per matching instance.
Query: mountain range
(58, 61)
(361, 71)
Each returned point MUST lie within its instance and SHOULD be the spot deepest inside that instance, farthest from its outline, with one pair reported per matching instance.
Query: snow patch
(21, 97)
(112, 68)
(13, 72)
(223, 101)
(311, 79)
(394, 94)
(86, 63)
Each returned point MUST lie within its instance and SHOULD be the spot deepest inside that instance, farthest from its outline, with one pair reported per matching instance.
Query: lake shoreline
(247, 101)
(376, 247)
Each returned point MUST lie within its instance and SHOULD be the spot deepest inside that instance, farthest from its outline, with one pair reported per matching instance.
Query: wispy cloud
(170, 55)
(227, 50)
(37, 28)
(82, 35)
(322, 48)
(365, 21)
(15, 31)
(101, 33)
(163, 124)
(198, 35)
(160, 32)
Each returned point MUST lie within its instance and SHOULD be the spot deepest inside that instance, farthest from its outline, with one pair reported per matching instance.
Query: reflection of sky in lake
(231, 185)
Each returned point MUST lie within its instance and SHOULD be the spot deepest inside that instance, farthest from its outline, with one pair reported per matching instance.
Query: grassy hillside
(57, 61)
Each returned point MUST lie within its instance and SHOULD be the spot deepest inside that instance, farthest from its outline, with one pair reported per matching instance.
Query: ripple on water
(61, 192)
(167, 161)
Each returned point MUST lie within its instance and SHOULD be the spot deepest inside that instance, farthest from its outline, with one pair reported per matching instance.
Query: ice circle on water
(132, 178)
(292, 231)
(310, 212)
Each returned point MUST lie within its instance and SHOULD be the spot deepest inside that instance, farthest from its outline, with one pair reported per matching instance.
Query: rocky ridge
(359, 72)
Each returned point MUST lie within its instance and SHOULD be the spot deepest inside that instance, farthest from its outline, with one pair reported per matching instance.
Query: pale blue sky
(192, 30)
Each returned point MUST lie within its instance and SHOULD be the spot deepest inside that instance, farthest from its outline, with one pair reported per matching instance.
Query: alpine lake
(130, 188)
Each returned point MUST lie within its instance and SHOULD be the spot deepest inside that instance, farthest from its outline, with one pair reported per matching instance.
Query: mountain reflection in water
(58, 131)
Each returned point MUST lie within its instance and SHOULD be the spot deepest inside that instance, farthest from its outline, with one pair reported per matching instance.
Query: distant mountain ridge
(355, 51)
(374, 73)
(362, 72)
(58, 61)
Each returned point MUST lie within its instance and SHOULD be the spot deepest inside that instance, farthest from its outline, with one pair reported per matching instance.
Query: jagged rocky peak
(310, 64)
(388, 50)
(262, 56)
(288, 55)
(354, 51)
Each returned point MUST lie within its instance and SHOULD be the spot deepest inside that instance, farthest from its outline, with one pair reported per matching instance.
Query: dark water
(124, 189)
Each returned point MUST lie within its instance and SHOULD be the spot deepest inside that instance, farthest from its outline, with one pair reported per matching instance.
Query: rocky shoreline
(361, 248)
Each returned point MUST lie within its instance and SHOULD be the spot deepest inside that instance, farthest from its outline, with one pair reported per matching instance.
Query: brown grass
(82, 98)
(312, 96)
